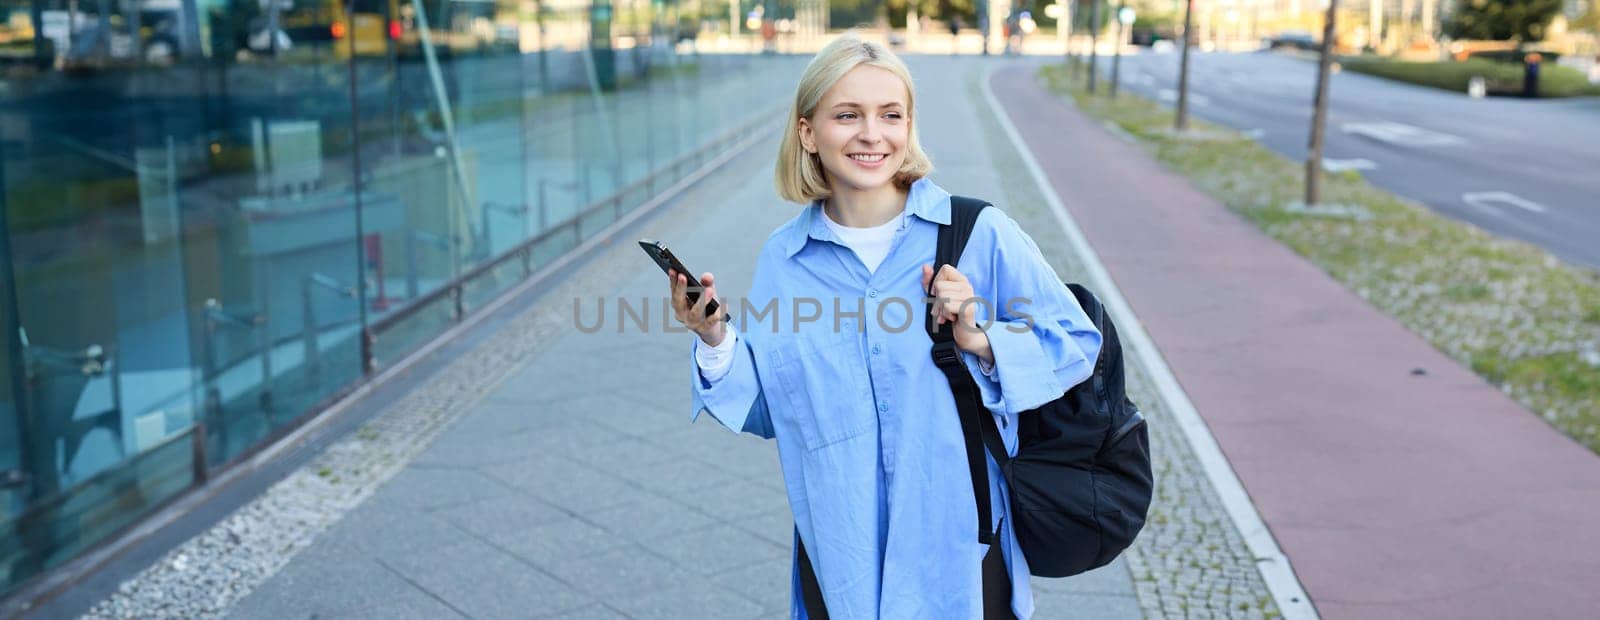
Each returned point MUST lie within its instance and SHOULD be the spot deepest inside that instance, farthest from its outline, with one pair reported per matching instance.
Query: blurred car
(1146, 35)
(1292, 39)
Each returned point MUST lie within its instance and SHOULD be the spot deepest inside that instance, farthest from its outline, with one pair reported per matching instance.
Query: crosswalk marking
(1487, 200)
(1341, 165)
(1400, 134)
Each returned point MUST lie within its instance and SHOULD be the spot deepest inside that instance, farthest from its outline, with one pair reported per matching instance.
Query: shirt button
(873, 293)
(876, 349)
(882, 406)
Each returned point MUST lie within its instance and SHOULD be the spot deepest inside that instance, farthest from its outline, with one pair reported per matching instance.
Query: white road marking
(1400, 134)
(1171, 96)
(1341, 165)
(1485, 201)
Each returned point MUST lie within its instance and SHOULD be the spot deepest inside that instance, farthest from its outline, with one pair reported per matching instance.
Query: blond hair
(799, 175)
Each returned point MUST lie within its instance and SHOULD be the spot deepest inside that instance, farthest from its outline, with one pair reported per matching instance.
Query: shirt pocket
(823, 381)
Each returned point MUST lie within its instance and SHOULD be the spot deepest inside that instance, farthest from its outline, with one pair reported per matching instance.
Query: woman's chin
(864, 183)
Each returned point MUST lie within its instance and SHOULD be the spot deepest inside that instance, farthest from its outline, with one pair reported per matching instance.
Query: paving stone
(767, 582)
(383, 527)
(717, 548)
(484, 582)
(701, 600)
(427, 488)
(644, 517)
(630, 570)
(337, 580)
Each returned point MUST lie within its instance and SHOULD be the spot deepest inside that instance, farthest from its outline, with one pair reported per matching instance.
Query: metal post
(313, 353)
(544, 210)
(649, 136)
(208, 358)
(264, 342)
(369, 362)
(313, 361)
(1094, 43)
(1116, 58)
(360, 291)
(197, 454)
(411, 264)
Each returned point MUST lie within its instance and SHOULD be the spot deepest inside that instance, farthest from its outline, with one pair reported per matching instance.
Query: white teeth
(867, 157)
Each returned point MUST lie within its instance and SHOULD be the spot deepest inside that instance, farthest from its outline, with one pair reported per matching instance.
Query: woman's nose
(870, 132)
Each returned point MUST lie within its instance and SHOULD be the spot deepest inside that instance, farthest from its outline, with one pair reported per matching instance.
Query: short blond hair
(799, 175)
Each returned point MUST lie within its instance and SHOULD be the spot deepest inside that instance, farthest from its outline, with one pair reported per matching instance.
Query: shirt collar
(926, 200)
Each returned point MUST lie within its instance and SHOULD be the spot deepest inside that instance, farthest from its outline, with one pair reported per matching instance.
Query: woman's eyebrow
(852, 104)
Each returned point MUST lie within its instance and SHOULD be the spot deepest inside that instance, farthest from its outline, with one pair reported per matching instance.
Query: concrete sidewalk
(577, 488)
(555, 474)
(1394, 495)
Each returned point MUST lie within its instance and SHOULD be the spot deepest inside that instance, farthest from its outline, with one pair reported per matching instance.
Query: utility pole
(1183, 68)
(1094, 42)
(1319, 110)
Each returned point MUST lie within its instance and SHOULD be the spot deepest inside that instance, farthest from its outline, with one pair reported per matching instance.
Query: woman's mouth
(865, 160)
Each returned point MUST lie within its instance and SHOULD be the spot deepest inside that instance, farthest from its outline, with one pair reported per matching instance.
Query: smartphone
(662, 256)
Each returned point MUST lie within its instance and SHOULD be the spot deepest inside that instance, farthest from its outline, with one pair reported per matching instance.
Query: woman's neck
(865, 209)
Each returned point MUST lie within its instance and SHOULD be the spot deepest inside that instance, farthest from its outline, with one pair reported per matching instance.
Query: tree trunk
(1094, 38)
(1319, 110)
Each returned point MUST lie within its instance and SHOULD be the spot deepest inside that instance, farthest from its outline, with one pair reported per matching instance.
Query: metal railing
(455, 289)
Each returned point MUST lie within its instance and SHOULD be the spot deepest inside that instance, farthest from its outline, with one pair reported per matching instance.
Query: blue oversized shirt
(833, 362)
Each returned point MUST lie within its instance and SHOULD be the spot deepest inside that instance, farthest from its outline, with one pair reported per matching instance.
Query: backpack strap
(977, 425)
(952, 241)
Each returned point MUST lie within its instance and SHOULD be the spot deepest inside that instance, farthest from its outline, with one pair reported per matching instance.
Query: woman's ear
(807, 139)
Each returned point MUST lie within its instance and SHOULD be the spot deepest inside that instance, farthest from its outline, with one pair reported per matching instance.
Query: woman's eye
(846, 116)
(893, 115)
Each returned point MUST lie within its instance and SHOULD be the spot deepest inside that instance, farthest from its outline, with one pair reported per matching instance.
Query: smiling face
(859, 130)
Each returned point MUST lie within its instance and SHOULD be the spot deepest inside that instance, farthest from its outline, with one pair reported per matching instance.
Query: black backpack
(1080, 482)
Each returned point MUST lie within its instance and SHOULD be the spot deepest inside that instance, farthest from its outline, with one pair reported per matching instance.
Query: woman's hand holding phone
(711, 329)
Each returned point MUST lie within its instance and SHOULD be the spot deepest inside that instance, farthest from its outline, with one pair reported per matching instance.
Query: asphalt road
(1523, 169)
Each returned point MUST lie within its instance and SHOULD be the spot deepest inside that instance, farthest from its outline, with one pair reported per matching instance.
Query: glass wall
(219, 214)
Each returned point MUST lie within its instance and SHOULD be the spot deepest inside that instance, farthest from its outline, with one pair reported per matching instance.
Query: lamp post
(1125, 17)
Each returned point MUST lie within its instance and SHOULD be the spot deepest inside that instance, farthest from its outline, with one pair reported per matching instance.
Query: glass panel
(204, 202)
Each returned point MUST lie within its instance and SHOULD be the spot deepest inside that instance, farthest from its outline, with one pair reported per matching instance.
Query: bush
(1500, 77)
(1514, 56)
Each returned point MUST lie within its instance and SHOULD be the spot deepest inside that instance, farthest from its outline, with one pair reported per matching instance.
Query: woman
(867, 430)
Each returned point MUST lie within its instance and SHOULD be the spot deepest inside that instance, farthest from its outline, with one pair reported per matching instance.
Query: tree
(1522, 21)
(1319, 108)
(1182, 121)
(1589, 21)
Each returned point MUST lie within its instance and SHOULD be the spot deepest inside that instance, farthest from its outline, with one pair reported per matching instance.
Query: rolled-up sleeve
(1043, 343)
(734, 400)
